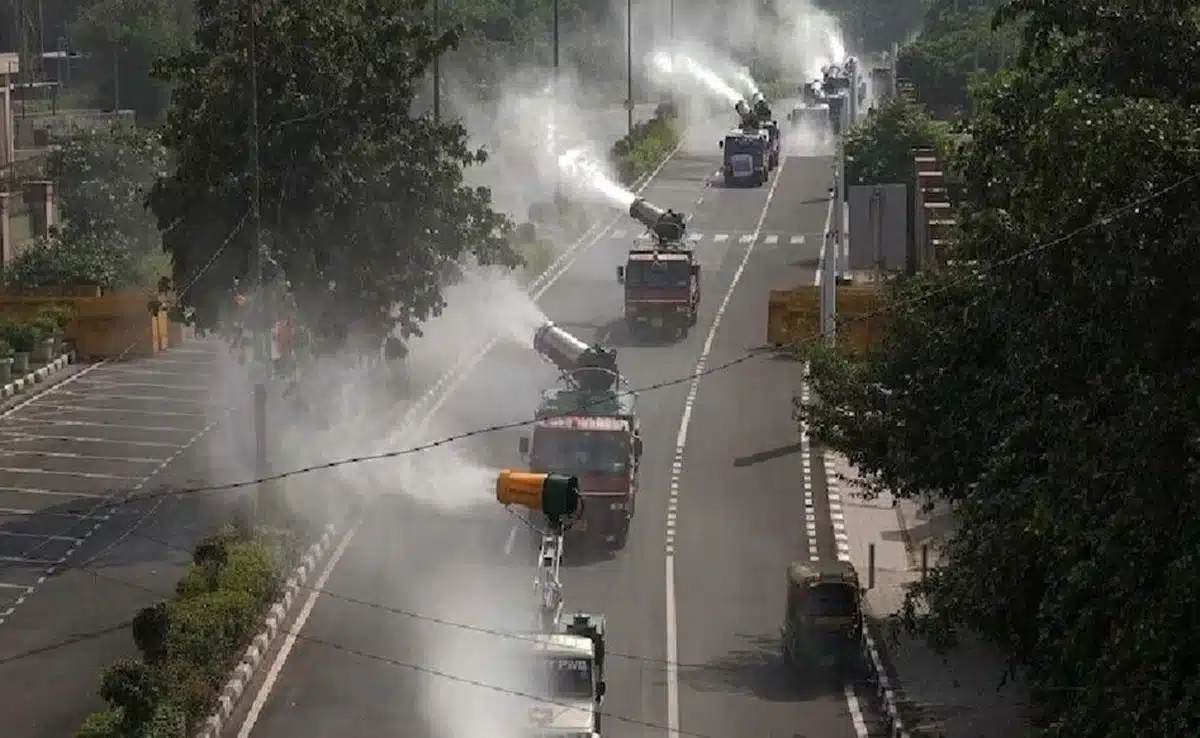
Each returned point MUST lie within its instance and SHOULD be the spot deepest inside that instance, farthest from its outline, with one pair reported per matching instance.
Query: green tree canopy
(107, 237)
(124, 38)
(879, 149)
(363, 205)
(1045, 387)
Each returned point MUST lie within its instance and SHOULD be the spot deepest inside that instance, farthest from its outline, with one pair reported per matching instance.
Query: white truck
(571, 663)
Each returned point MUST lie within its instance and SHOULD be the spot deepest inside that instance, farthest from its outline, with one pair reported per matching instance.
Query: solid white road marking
(9, 453)
(26, 422)
(677, 470)
(446, 385)
(59, 472)
(16, 436)
(834, 500)
(260, 699)
(52, 492)
(126, 411)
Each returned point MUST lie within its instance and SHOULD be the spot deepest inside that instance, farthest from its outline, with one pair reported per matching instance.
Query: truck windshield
(742, 145)
(832, 600)
(657, 274)
(567, 678)
(577, 451)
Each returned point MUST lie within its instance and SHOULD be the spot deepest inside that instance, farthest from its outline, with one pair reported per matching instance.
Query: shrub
(21, 335)
(6, 349)
(646, 146)
(190, 643)
(253, 567)
(103, 724)
(58, 316)
(129, 687)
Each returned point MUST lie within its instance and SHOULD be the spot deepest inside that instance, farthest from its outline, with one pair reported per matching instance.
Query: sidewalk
(956, 695)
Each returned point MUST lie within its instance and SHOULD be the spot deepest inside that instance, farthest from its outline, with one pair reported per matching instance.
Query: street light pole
(263, 332)
(558, 174)
(629, 64)
(671, 21)
(437, 69)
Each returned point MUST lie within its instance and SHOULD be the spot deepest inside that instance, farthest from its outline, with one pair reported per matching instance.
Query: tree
(879, 149)
(874, 25)
(124, 38)
(959, 44)
(1045, 390)
(363, 206)
(107, 236)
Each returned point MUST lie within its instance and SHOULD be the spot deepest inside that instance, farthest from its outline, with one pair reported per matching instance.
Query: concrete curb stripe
(37, 377)
(883, 688)
(258, 648)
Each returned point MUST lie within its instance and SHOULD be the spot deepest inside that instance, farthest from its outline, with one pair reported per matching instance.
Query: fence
(103, 326)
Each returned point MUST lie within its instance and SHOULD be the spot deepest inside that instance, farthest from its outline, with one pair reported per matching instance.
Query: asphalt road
(75, 557)
(383, 650)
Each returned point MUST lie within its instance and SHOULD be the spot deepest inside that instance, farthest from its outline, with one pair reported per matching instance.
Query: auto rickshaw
(823, 625)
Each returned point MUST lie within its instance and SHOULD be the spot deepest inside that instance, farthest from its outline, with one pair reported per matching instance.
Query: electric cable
(1104, 220)
(750, 355)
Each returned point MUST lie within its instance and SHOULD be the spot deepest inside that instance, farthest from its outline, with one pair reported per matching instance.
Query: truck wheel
(728, 180)
(622, 537)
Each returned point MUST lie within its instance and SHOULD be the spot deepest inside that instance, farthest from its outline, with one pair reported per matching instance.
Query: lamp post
(558, 174)
(629, 64)
(437, 69)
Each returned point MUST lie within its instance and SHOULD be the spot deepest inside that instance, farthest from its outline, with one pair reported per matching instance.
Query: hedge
(647, 145)
(190, 643)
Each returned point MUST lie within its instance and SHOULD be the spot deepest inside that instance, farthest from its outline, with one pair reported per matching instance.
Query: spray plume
(677, 67)
(584, 171)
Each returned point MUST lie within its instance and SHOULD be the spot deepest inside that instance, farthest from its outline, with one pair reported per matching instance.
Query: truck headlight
(616, 506)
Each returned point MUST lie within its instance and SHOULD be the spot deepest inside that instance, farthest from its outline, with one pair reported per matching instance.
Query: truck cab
(662, 291)
(746, 157)
(595, 437)
(569, 679)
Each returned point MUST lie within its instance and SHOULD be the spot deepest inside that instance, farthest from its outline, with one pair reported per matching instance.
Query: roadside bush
(647, 145)
(189, 643)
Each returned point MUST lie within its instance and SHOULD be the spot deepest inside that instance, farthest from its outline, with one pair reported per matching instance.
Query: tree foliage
(1045, 387)
(959, 45)
(107, 236)
(879, 149)
(363, 205)
(874, 25)
(131, 34)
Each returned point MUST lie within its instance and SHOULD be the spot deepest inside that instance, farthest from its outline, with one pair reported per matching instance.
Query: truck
(588, 428)
(746, 156)
(757, 116)
(662, 280)
(569, 669)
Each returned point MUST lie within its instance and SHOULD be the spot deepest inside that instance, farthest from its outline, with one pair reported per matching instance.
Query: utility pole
(437, 68)
(557, 173)
(260, 295)
(671, 21)
(629, 64)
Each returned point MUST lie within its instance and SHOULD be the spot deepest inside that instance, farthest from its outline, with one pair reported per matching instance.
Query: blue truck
(746, 157)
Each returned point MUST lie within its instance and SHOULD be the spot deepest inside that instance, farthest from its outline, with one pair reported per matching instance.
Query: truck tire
(622, 537)
(728, 179)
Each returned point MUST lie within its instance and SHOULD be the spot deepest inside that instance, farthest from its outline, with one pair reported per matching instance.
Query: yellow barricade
(794, 316)
(103, 326)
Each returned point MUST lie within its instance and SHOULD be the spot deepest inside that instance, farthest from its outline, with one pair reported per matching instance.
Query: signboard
(878, 227)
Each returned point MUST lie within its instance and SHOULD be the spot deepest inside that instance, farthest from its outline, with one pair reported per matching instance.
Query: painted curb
(883, 688)
(257, 651)
(18, 386)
